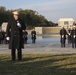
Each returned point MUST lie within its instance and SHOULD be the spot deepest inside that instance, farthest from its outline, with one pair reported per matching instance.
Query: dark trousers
(19, 54)
(33, 40)
(73, 45)
(69, 41)
(62, 44)
(25, 41)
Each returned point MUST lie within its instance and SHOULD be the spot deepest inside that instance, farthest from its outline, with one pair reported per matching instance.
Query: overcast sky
(52, 9)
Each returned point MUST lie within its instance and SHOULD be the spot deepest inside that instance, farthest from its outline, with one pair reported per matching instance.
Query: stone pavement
(42, 48)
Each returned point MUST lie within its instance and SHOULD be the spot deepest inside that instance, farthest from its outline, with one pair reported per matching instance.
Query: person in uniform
(69, 36)
(63, 36)
(73, 34)
(15, 35)
(33, 34)
(1, 36)
(25, 33)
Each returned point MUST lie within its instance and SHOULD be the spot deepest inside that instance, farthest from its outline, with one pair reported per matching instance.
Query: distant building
(47, 30)
(66, 22)
(3, 26)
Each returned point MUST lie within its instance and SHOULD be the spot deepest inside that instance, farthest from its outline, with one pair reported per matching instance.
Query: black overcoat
(69, 34)
(63, 35)
(33, 33)
(25, 35)
(73, 33)
(15, 33)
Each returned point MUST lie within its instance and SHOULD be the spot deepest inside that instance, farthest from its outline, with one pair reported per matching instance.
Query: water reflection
(52, 40)
(46, 39)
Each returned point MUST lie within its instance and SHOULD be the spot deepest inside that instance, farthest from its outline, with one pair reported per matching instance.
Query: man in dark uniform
(15, 35)
(63, 36)
(1, 36)
(69, 36)
(33, 34)
(73, 34)
(25, 33)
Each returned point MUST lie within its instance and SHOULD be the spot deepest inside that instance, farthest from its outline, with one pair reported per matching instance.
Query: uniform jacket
(15, 33)
(73, 35)
(1, 36)
(63, 35)
(33, 33)
(25, 35)
(69, 34)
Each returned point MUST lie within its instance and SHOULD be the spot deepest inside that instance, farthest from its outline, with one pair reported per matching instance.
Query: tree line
(30, 17)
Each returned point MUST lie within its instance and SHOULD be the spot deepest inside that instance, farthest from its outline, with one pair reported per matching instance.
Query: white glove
(69, 33)
(62, 36)
(7, 38)
(18, 24)
(74, 36)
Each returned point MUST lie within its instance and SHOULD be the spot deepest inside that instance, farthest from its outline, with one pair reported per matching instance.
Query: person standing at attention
(63, 36)
(73, 34)
(33, 34)
(15, 35)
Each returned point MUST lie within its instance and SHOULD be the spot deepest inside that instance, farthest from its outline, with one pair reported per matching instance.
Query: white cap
(15, 13)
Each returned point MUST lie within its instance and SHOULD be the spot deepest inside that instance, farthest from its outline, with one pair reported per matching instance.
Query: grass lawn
(39, 64)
